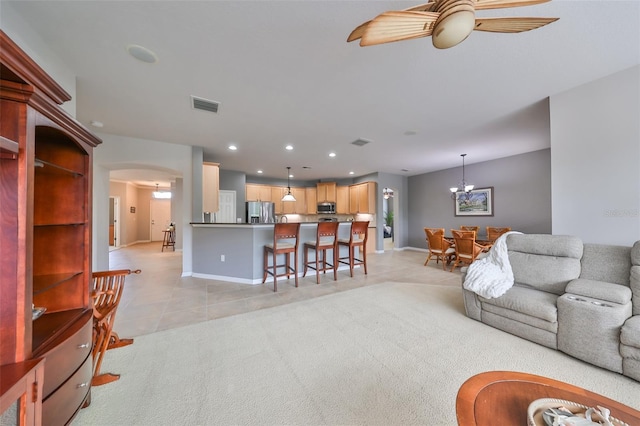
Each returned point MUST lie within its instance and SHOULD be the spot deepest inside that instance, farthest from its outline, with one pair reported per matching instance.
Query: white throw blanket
(491, 276)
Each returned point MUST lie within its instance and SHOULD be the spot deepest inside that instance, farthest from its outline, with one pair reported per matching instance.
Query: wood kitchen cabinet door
(255, 192)
(362, 198)
(311, 198)
(326, 192)
(342, 200)
(295, 207)
(277, 192)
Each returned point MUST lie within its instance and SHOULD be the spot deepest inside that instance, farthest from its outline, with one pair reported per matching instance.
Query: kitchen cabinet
(342, 200)
(362, 198)
(210, 187)
(45, 254)
(277, 192)
(256, 192)
(311, 198)
(295, 207)
(326, 192)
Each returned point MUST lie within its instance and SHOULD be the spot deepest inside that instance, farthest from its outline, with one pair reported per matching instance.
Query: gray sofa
(581, 299)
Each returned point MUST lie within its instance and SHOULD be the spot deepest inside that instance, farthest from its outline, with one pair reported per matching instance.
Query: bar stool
(285, 241)
(326, 239)
(357, 238)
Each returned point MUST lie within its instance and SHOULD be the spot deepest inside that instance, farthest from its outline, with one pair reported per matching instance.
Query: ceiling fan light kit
(448, 22)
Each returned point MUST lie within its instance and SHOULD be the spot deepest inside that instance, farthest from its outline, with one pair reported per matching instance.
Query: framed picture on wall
(478, 202)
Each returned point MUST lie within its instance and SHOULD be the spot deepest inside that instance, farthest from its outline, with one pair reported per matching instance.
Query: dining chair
(326, 239)
(357, 239)
(439, 247)
(493, 233)
(285, 241)
(470, 228)
(467, 250)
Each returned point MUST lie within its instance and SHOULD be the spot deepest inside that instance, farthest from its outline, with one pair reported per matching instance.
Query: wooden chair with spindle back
(326, 239)
(286, 237)
(357, 239)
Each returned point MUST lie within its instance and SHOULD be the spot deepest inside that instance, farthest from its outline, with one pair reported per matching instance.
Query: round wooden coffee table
(502, 398)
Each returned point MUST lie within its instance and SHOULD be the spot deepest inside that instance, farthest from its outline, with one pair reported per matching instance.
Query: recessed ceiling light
(289, 147)
(142, 54)
(98, 124)
(259, 172)
(233, 147)
(352, 173)
(332, 154)
(290, 176)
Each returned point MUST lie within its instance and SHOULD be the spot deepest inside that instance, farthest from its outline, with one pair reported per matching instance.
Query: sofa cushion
(634, 283)
(534, 303)
(605, 291)
(544, 262)
(630, 332)
(606, 263)
(635, 253)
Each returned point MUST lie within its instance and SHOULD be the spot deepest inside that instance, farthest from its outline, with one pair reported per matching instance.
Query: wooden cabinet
(362, 198)
(295, 207)
(210, 187)
(255, 192)
(311, 195)
(276, 194)
(326, 192)
(45, 229)
(342, 199)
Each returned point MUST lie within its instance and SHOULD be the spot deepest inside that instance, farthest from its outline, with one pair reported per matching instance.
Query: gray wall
(595, 138)
(521, 196)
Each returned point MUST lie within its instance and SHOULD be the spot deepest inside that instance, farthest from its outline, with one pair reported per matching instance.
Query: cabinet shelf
(59, 224)
(46, 167)
(42, 283)
(50, 325)
(8, 148)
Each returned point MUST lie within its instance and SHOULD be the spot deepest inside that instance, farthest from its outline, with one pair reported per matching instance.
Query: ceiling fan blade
(427, 7)
(357, 33)
(501, 4)
(511, 25)
(398, 25)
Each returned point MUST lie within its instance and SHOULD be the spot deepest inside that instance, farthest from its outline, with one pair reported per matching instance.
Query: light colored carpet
(387, 354)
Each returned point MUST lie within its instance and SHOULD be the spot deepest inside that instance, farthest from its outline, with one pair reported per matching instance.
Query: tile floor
(160, 299)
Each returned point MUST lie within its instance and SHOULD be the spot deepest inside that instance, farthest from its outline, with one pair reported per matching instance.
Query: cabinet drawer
(63, 404)
(67, 356)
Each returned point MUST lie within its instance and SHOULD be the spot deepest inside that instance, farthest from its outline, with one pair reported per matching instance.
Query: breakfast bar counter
(234, 251)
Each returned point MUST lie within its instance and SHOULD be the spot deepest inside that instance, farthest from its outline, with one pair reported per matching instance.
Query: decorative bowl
(538, 407)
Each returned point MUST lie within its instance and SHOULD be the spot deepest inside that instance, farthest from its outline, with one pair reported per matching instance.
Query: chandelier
(288, 196)
(463, 186)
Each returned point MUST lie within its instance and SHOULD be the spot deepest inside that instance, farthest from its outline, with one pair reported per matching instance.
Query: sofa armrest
(608, 292)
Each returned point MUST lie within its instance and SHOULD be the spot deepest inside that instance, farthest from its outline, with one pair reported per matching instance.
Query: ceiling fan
(448, 22)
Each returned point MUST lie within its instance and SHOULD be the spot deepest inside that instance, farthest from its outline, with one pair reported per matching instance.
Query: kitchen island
(234, 251)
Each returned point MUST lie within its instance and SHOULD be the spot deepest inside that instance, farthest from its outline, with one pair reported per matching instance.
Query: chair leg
(364, 259)
(295, 265)
(335, 263)
(275, 272)
(428, 259)
(317, 266)
(305, 260)
(352, 256)
(265, 261)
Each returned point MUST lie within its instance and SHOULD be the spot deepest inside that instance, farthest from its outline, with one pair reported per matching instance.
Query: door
(114, 221)
(227, 204)
(160, 216)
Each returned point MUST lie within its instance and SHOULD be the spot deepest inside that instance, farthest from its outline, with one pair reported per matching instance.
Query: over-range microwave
(326, 208)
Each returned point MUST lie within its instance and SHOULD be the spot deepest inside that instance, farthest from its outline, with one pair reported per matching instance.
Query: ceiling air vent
(204, 104)
(360, 142)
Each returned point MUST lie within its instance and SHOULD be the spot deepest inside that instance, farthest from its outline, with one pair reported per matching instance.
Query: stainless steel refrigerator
(261, 212)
